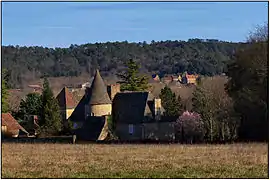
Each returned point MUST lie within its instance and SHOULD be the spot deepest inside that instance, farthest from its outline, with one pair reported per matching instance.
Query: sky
(60, 24)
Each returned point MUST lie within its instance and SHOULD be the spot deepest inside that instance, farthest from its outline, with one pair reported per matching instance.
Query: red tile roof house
(10, 127)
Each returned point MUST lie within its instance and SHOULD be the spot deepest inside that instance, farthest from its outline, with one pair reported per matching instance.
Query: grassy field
(134, 161)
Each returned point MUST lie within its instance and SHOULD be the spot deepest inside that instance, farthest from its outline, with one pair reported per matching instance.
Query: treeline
(206, 57)
(236, 109)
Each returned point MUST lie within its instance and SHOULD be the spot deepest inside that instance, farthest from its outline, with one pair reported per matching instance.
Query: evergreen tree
(30, 106)
(4, 94)
(132, 81)
(50, 120)
(170, 102)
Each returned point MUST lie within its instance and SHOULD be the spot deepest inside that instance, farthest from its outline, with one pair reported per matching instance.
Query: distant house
(189, 79)
(175, 78)
(179, 78)
(10, 127)
(155, 77)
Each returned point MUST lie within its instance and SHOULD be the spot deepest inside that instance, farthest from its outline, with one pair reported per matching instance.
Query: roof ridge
(65, 98)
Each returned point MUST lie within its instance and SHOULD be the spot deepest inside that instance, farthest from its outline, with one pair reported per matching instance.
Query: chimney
(112, 90)
(157, 108)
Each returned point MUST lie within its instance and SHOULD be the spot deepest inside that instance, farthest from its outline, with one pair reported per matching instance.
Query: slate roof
(91, 129)
(66, 99)
(131, 107)
(8, 120)
(97, 93)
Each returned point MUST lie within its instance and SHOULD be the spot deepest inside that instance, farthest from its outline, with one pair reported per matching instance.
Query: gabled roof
(131, 107)
(97, 93)
(66, 99)
(8, 120)
(79, 111)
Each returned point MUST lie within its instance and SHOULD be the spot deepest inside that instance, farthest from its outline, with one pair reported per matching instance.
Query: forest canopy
(207, 57)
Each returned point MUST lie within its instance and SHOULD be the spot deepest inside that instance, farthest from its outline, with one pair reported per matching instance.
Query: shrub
(189, 128)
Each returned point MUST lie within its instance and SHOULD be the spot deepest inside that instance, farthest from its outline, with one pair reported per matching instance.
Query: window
(130, 128)
(75, 125)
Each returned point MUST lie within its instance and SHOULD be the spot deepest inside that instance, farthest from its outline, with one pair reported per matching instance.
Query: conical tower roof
(98, 92)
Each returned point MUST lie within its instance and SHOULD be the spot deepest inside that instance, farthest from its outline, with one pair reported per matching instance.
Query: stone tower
(157, 108)
(112, 90)
(98, 102)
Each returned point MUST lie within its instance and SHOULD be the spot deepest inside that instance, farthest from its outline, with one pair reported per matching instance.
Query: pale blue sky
(59, 24)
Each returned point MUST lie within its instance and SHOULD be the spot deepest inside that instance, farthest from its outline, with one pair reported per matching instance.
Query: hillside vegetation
(206, 57)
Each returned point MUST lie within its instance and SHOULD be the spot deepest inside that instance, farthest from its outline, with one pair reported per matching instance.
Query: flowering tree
(189, 127)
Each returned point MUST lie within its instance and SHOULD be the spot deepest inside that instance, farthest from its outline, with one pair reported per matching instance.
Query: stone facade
(101, 110)
(157, 109)
(159, 131)
(112, 90)
(162, 131)
(129, 132)
(69, 112)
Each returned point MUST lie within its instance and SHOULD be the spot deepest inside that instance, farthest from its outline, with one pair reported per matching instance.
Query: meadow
(25, 160)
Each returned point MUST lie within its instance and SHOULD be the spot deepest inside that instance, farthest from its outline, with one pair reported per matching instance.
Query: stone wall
(101, 110)
(162, 131)
(112, 90)
(159, 131)
(69, 112)
(122, 132)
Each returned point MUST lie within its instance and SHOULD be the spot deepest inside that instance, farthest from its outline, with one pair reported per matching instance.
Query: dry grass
(134, 161)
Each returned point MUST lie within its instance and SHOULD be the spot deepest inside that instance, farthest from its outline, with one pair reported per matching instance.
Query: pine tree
(170, 102)
(50, 121)
(4, 93)
(132, 81)
(31, 105)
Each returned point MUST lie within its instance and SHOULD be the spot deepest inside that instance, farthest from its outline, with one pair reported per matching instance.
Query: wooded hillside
(206, 57)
